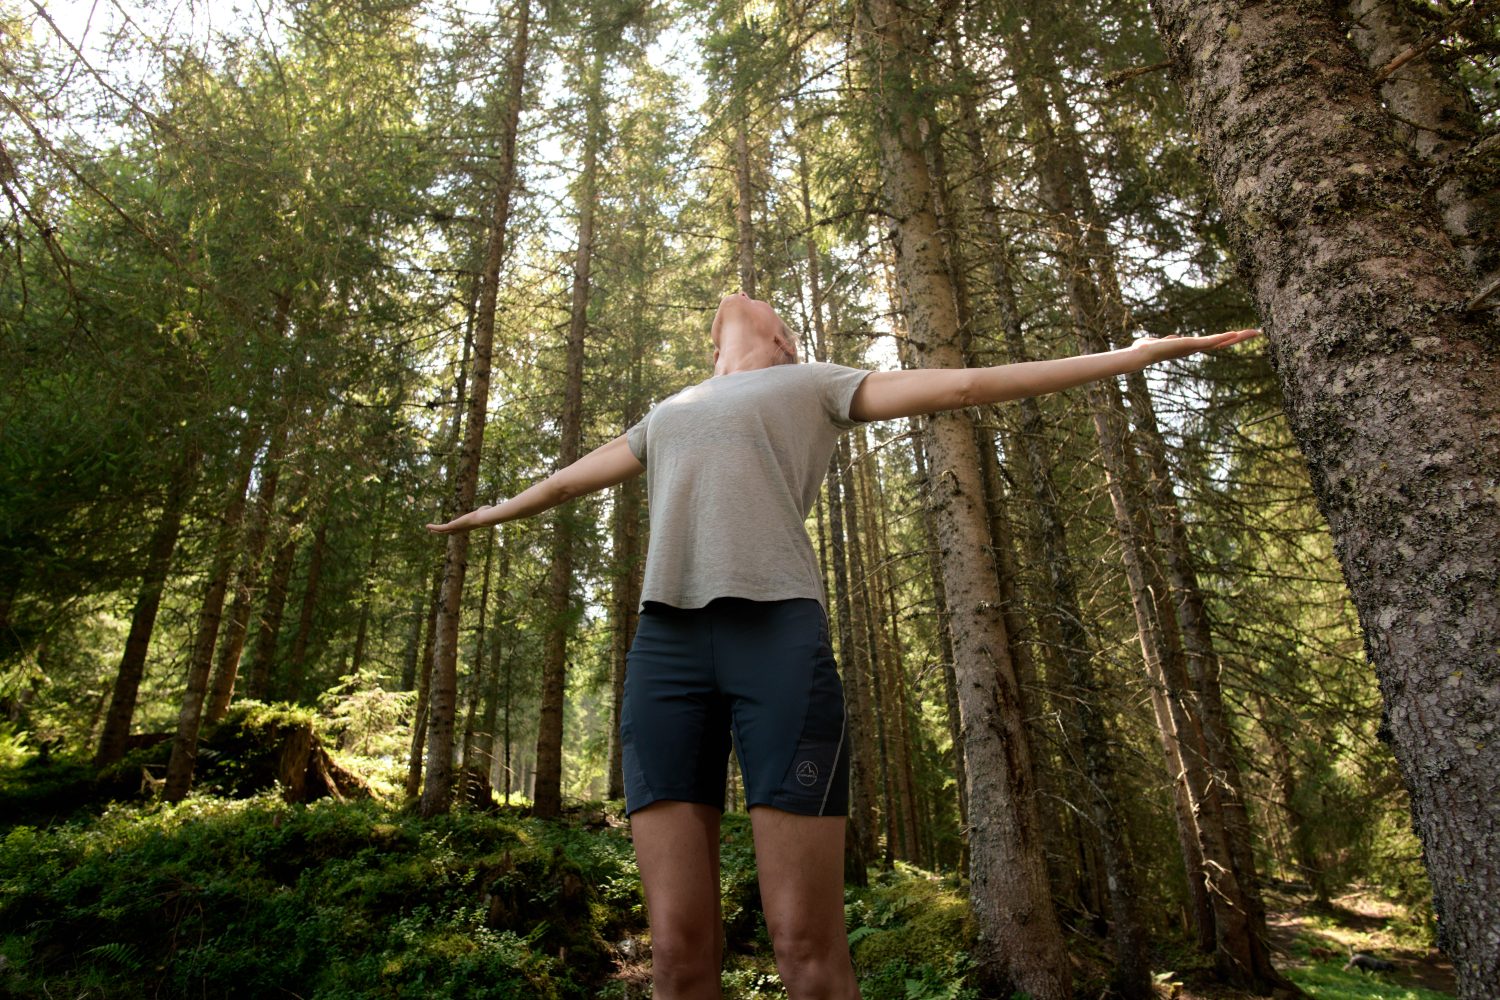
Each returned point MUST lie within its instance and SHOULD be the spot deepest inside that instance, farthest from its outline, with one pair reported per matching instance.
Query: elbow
(969, 390)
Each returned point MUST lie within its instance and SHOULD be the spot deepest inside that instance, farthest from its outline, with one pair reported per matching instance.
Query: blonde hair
(791, 338)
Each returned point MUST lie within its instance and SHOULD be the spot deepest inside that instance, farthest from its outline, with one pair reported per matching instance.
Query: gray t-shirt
(733, 466)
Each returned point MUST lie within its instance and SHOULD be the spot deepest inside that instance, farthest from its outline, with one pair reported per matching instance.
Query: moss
(254, 897)
(908, 915)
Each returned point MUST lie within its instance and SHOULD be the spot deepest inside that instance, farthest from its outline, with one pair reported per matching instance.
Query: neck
(731, 366)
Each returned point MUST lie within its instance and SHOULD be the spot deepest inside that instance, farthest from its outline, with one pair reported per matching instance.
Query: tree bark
(148, 600)
(437, 791)
(1391, 391)
(1020, 946)
(1392, 395)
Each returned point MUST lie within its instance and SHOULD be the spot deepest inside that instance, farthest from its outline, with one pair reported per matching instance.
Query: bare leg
(677, 848)
(801, 864)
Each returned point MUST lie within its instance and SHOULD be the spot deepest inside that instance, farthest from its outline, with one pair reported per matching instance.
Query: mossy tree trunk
(1392, 391)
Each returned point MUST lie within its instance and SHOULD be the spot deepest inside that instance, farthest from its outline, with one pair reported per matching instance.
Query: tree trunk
(185, 742)
(297, 660)
(864, 670)
(945, 641)
(269, 630)
(1391, 391)
(420, 710)
(367, 587)
(442, 700)
(487, 740)
(1063, 630)
(476, 675)
(626, 607)
(1223, 917)
(1020, 946)
(148, 600)
(744, 225)
(247, 580)
(549, 736)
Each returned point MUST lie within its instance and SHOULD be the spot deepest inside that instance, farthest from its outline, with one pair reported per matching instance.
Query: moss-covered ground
(253, 897)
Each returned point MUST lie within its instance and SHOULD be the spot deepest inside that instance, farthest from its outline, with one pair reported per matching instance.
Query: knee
(685, 954)
(810, 959)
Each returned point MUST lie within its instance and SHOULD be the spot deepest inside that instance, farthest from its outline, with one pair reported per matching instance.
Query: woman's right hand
(463, 522)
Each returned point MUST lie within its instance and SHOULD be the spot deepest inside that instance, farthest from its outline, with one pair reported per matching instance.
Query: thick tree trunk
(1020, 946)
(442, 701)
(1392, 393)
(185, 743)
(549, 737)
(148, 600)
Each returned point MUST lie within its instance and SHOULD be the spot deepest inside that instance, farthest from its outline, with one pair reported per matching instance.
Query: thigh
(800, 860)
(777, 668)
(674, 722)
(677, 849)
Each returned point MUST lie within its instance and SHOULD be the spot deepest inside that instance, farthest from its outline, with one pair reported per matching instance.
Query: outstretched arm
(603, 467)
(884, 395)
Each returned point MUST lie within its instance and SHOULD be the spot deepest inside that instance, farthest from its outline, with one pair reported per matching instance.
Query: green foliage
(14, 750)
(1329, 981)
(911, 934)
(253, 897)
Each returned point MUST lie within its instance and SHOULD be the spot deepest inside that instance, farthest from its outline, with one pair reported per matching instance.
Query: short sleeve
(635, 437)
(838, 385)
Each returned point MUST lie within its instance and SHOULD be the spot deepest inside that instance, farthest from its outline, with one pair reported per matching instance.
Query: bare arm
(884, 395)
(603, 467)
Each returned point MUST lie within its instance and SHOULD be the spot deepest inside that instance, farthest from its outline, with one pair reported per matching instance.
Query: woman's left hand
(1155, 349)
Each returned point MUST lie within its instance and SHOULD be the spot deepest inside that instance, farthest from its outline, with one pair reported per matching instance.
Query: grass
(1328, 981)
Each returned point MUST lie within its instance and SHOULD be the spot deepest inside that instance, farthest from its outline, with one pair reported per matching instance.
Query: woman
(733, 639)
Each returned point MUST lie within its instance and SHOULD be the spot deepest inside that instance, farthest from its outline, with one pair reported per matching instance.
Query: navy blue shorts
(759, 673)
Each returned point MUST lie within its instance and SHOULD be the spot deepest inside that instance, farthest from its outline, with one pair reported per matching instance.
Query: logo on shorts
(807, 773)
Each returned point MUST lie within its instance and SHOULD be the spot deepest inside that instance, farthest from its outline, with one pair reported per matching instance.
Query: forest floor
(1312, 942)
(258, 897)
